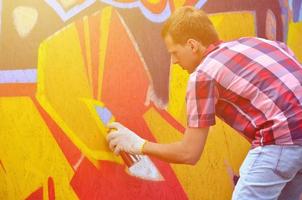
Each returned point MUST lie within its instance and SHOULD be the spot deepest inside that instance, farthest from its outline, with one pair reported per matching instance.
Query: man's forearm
(173, 153)
(186, 151)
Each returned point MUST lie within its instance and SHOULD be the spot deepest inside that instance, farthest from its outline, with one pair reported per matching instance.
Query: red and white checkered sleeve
(201, 97)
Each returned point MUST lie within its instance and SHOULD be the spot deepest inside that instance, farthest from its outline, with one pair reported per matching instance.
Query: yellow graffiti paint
(88, 49)
(294, 40)
(154, 1)
(208, 179)
(177, 93)
(29, 153)
(234, 25)
(62, 83)
(3, 183)
(69, 3)
(237, 146)
(179, 3)
(104, 32)
(90, 103)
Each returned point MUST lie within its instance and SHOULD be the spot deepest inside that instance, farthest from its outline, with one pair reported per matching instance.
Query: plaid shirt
(254, 85)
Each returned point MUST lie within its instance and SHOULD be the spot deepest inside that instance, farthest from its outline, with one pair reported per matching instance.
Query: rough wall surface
(64, 61)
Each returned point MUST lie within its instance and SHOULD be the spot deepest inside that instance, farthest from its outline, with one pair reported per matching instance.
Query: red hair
(188, 22)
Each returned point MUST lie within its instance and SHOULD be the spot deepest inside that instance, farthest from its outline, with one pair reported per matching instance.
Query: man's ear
(194, 45)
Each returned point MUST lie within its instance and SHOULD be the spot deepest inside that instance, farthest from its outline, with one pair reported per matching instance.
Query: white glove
(123, 139)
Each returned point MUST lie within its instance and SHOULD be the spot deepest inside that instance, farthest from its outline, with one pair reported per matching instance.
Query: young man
(254, 85)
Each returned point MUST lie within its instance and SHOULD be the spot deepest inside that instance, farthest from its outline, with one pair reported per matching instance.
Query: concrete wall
(64, 63)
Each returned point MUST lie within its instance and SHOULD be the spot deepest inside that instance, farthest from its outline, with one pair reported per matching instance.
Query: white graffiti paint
(18, 76)
(156, 18)
(200, 3)
(66, 15)
(153, 17)
(25, 19)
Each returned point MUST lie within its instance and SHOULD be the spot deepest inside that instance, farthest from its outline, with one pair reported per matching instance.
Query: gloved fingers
(113, 143)
(117, 149)
(115, 125)
(112, 135)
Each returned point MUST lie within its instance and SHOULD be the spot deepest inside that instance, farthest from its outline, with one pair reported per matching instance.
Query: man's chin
(185, 68)
(189, 69)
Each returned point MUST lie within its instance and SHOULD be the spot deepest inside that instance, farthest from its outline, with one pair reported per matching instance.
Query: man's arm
(186, 151)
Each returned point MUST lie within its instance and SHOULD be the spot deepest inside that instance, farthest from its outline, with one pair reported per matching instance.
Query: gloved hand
(123, 139)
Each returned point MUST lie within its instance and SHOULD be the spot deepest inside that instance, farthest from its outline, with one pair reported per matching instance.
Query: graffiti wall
(65, 64)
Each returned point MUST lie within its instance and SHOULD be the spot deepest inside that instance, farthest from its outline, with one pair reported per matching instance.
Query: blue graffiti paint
(104, 114)
(297, 10)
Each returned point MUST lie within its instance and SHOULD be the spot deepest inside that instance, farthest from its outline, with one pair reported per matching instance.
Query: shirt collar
(211, 48)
